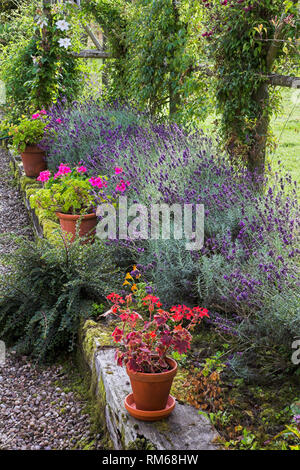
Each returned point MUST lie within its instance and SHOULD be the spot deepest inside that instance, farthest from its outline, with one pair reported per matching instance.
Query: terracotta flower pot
(151, 391)
(68, 223)
(34, 160)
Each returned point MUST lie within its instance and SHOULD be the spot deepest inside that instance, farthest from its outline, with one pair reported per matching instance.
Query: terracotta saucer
(148, 415)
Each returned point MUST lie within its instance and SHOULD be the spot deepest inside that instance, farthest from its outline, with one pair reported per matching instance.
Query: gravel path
(35, 413)
(13, 216)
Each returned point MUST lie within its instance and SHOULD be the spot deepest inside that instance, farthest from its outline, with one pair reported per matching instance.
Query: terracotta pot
(68, 223)
(151, 391)
(34, 160)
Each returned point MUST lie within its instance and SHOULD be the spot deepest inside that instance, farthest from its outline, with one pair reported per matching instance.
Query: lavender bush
(248, 266)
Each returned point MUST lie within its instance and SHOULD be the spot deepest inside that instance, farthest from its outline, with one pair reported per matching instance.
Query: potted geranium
(145, 348)
(72, 195)
(26, 137)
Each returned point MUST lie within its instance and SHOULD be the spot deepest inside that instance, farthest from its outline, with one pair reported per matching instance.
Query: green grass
(286, 128)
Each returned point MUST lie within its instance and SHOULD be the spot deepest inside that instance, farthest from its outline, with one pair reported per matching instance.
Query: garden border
(184, 429)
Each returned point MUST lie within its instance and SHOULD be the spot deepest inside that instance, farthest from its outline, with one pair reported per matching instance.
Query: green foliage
(154, 49)
(56, 71)
(28, 132)
(239, 44)
(44, 294)
(35, 68)
(5, 128)
(290, 432)
(17, 73)
(16, 48)
(7, 5)
(111, 16)
(173, 271)
(162, 51)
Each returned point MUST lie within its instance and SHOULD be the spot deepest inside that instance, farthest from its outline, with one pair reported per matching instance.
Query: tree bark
(283, 80)
(257, 152)
(174, 102)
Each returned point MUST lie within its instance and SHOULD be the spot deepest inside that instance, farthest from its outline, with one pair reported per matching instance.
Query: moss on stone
(141, 443)
(51, 231)
(180, 388)
(29, 192)
(92, 331)
(44, 215)
(26, 181)
(162, 426)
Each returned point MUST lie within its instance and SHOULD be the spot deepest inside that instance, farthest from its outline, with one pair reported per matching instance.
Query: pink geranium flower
(98, 182)
(43, 112)
(44, 176)
(58, 120)
(118, 170)
(35, 116)
(122, 186)
(81, 169)
(62, 170)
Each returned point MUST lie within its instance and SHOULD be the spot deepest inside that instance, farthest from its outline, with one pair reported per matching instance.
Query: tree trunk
(257, 152)
(174, 103)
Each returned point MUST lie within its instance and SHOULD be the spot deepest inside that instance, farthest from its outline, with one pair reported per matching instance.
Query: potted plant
(145, 347)
(72, 195)
(26, 137)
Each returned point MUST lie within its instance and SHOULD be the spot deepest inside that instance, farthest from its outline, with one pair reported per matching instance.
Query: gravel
(13, 215)
(35, 413)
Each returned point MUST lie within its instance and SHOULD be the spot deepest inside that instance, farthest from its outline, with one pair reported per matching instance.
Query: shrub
(17, 73)
(45, 293)
(37, 70)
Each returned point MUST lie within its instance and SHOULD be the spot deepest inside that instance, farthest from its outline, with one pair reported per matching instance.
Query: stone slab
(184, 429)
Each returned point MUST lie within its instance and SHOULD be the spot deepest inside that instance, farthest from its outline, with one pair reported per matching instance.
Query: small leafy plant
(29, 131)
(70, 191)
(146, 344)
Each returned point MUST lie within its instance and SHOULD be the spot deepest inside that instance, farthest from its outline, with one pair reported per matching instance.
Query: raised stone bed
(184, 429)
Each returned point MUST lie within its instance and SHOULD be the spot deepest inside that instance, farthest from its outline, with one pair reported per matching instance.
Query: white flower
(64, 42)
(42, 22)
(62, 25)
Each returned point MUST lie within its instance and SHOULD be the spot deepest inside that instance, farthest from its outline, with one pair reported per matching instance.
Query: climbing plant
(112, 16)
(56, 71)
(168, 53)
(246, 41)
(36, 66)
(153, 52)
